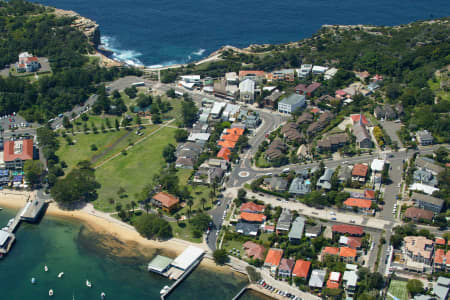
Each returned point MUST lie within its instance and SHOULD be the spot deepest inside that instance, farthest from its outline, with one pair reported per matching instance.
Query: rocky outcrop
(87, 26)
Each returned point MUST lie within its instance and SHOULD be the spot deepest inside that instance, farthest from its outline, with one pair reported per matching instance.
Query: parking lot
(9, 122)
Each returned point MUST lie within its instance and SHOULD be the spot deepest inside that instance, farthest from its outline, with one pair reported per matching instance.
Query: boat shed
(159, 264)
(188, 257)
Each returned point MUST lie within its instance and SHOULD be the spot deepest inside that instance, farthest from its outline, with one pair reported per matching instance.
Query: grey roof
(247, 228)
(424, 135)
(284, 221)
(440, 291)
(428, 199)
(313, 230)
(325, 180)
(429, 164)
(294, 99)
(297, 228)
(300, 186)
(247, 86)
(351, 277)
(317, 278)
(423, 297)
(360, 132)
(443, 281)
(277, 183)
(425, 176)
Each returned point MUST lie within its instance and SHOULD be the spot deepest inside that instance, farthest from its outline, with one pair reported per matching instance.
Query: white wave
(199, 52)
(127, 56)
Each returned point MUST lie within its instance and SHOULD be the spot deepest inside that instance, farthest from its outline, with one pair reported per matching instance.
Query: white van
(286, 170)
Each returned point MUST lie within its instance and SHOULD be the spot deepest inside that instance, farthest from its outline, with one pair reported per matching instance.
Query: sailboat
(88, 283)
(45, 268)
(103, 295)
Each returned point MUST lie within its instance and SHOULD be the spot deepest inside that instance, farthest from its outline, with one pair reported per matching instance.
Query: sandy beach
(121, 238)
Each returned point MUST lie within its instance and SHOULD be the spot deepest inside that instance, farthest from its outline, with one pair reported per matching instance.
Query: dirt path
(95, 158)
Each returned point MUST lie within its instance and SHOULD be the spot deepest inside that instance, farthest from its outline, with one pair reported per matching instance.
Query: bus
(136, 84)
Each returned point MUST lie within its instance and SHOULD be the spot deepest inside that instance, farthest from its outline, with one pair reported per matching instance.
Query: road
(75, 112)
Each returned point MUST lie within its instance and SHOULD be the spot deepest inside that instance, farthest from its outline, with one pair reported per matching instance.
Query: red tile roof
(224, 153)
(348, 229)
(18, 150)
(330, 250)
(347, 252)
(356, 117)
(369, 194)
(301, 268)
(254, 250)
(252, 207)
(227, 144)
(332, 284)
(360, 170)
(273, 257)
(418, 213)
(360, 203)
(354, 242)
(251, 217)
(341, 93)
(439, 241)
(167, 200)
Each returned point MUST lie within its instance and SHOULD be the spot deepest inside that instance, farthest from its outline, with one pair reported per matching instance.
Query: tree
(177, 218)
(171, 93)
(151, 226)
(147, 207)
(188, 113)
(203, 202)
(133, 205)
(156, 118)
(414, 286)
(241, 194)
(33, 170)
(66, 122)
(220, 256)
(190, 202)
(116, 124)
(169, 153)
(181, 135)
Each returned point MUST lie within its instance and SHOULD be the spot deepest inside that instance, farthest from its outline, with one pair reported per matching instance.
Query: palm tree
(203, 202)
(212, 195)
(133, 205)
(160, 213)
(129, 209)
(146, 206)
(177, 217)
(189, 202)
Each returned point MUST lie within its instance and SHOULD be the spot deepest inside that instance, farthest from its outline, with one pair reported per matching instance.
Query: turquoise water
(68, 247)
(152, 32)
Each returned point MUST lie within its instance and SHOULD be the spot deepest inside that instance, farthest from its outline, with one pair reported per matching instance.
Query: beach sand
(118, 237)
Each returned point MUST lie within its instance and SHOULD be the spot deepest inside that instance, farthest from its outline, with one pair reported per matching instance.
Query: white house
(319, 70)
(291, 103)
(27, 63)
(247, 91)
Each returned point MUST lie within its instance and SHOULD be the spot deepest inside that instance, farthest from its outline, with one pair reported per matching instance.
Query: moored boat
(103, 295)
(33, 280)
(164, 290)
(50, 292)
(88, 283)
(60, 274)
(45, 268)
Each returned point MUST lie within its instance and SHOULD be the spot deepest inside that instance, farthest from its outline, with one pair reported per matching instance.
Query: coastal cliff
(87, 26)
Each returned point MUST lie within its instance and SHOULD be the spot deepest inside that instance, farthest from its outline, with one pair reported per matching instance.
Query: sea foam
(127, 56)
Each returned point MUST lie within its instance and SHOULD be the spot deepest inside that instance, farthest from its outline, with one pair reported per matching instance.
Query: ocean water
(161, 32)
(66, 246)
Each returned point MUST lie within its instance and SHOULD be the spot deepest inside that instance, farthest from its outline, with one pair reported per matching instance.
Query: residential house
(272, 100)
(252, 121)
(325, 99)
(309, 90)
(256, 76)
(252, 207)
(216, 110)
(304, 151)
(334, 280)
(282, 75)
(273, 260)
(317, 279)
(220, 89)
(419, 249)
(349, 281)
(247, 91)
(300, 186)
(15, 153)
(301, 269)
(333, 251)
(324, 181)
(248, 228)
(232, 78)
(27, 63)
(330, 73)
(425, 177)
(199, 138)
(230, 112)
(184, 163)
(291, 133)
(291, 103)
(424, 137)
(441, 288)
(361, 205)
(363, 139)
(429, 165)
(347, 255)
(359, 172)
(385, 112)
(417, 214)
(333, 142)
(304, 70)
(441, 262)
(275, 150)
(318, 70)
(276, 184)
(427, 189)
(350, 242)
(285, 268)
(224, 153)
(165, 201)
(345, 173)
(428, 202)
(351, 230)
(313, 231)
(362, 75)
(296, 232)
(284, 221)
(305, 118)
(254, 250)
(377, 165)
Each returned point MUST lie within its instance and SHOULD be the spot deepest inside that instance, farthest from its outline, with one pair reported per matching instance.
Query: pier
(31, 212)
(240, 293)
(180, 279)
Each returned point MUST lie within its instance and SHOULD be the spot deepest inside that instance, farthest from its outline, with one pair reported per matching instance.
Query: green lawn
(398, 289)
(435, 87)
(262, 162)
(183, 231)
(230, 244)
(132, 171)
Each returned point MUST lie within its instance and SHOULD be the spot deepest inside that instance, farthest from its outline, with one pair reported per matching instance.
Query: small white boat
(45, 268)
(33, 280)
(88, 283)
(50, 292)
(164, 290)
(60, 274)
(103, 295)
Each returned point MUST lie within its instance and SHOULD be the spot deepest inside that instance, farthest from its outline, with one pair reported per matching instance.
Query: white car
(332, 213)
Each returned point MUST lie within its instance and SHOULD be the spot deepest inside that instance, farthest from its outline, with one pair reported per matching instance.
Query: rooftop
(360, 203)
(348, 229)
(167, 200)
(22, 149)
(301, 268)
(273, 257)
(418, 245)
(297, 228)
(360, 170)
(188, 257)
(252, 217)
(418, 213)
(252, 207)
(293, 99)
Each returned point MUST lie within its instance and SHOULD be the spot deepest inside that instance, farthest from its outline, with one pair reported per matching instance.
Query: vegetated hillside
(407, 56)
(26, 26)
